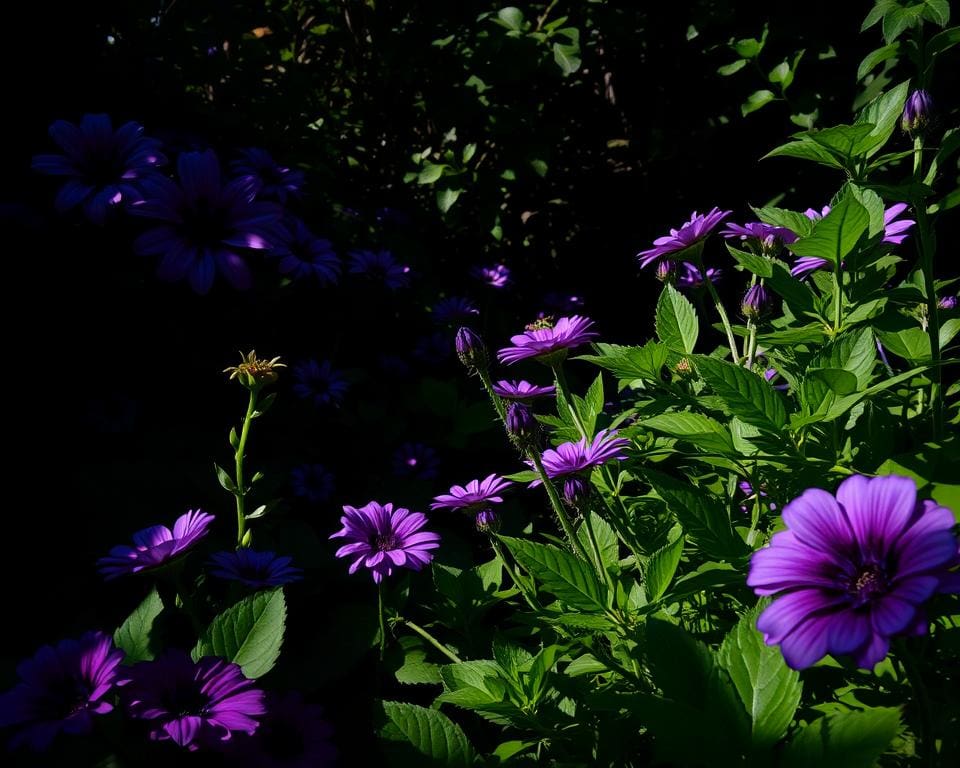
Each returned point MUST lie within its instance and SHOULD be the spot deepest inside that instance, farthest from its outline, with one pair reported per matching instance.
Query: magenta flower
(381, 538)
(476, 494)
(572, 458)
(257, 570)
(156, 545)
(854, 570)
(194, 704)
(691, 233)
(522, 390)
(546, 343)
(762, 237)
(60, 690)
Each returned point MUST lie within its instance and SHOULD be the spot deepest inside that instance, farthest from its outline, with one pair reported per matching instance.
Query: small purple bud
(575, 489)
(756, 302)
(947, 302)
(521, 425)
(917, 112)
(666, 270)
(471, 350)
(487, 520)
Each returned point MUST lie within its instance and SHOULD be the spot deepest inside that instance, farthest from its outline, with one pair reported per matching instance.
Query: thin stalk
(433, 641)
(521, 585)
(494, 397)
(565, 391)
(837, 297)
(592, 537)
(557, 505)
(383, 622)
(241, 492)
(731, 339)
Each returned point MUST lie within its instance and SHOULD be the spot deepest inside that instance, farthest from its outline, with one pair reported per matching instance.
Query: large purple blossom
(103, 167)
(454, 310)
(381, 538)
(61, 688)
(293, 734)
(474, 495)
(543, 341)
(257, 570)
(194, 704)
(569, 460)
(691, 233)
(319, 383)
(273, 181)
(522, 390)
(302, 254)
(416, 460)
(854, 570)
(205, 224)
(496, 276)
(156, 545)
(381, 266)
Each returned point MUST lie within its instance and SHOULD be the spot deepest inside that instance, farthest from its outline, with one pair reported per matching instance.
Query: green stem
(557, 505)
(241, 491)
(433, 641)
(565, 391)
(837, 297)
(383, 622)
(731, 339)
(494, 397)
(592, 537)
(521, 585)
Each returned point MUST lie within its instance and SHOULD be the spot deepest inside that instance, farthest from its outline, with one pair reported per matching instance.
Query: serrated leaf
(661, 568)
(248, 633)
(839, 382)
(836, 234)
(644, 362)
(844, 740)
(135, 636)
(878, 11)
(883, 113)
(758, 265)
(747, 395)
(571, 579)
(705, 433)
(937, 11)
(607, 541)
(769, 689)
(676, 320)
(805, 149)
(431, 733)
(418, 673)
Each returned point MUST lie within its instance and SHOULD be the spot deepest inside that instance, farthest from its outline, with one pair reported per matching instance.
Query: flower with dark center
(548, 342)
(917, 113)
(416, 460)
(103, 167)
(257, 570)
(496, 276)
(692, 277)
(312, 482)
(522, 390)
(319, 383)
(292, 734)
(156, 546)
(301, 254)
(194, 704)
(273, 181)
(205, 225)
(853, 570)
(692, 233)
(380, 538)
(454, 310)
(60, 690)
(474, 495)
(380, 266)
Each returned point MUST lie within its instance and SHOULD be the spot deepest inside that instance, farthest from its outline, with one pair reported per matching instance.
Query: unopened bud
(666, 270)
(575, 489)
(487, 520)
(917, 112)
(521, 425)
(756, 302)
(471, 350)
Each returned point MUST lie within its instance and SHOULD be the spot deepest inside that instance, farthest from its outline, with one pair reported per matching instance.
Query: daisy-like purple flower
(61, 688)
(156, 545)
(257, 570)
(854, 570)
(273, 181)
(690, 234)
(194, 704)
(548, 343)
(103, 167)
(474, 495)
(302, 254)
(569, 460)
(205, 225)
(293, 734)
(312, 482)
(454, 310)
(381, 538)
(762, 237)
(381, 266)
(416, 460)
(691, 276)
(496, 276)
(319, 383)
(522, 390)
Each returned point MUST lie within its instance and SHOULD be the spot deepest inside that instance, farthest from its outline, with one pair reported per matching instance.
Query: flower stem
(433, 641)
(241, 491)
(521, 585)
(837, 298)
(383, 622)
(731, 339)
(565, 391)
(557, 505)
(601, 570)
(494, 397)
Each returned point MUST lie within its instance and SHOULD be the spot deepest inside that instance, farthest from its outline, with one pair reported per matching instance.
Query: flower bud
(575, 489)
(917, 113)
(756, 302)
(471, 350)
(947, 302)
(521, 425)
(487, 520)
(666, 270)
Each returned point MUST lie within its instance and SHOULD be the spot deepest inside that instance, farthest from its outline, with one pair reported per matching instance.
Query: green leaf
(839, 382)
(431, 733)
(135, 636)
(747, 395)
(911, 343)
(855, 351)
(511, 18)
(878, 56)
(836, 234)
(676, 320)
(897, 21)
(769, 689)
(756, 100)
(705, 433)
(758, 265)
(749, 47)
(805, 149)
(883, 113)
(248, 633)
(937, 11)
(661, 568)
(430, 173)
(567, 57)
(795, 221)
(844, 740)
(473, 684)
(418, 673)
(607, 541)
(572, 580)
(878, 11)
(842, 140)
(225, 480)
(630, 363)
(234, 438)
(734, 66)
(948, 330)
(447, 197)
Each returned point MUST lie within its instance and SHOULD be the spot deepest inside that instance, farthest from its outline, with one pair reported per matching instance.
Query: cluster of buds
(254, 373)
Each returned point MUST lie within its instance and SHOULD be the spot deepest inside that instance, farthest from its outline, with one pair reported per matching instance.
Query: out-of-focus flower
(380, 266)
(416, 460)
(433, 349)
(257, 570)
(156, 545)
(690, 234)
(454, 310)
(760, 237)
(319, 383)
(522, 390)
(496, 276)
(292, 734)
(549, 343)
(692, 277)
(273, 181)
(560, 303)
(947, 302)
(312, 482)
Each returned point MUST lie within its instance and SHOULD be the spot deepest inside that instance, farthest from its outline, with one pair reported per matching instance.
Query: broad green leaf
(607, 541)
(844, 740)
(948, 330)
(705, 433)
(431, 733)
(911, 343)
(430, 173)
(135, 636)
(881, 8)
(644, 362)
(571, 579)
(756, 100)
(897, 21)
(248, 633)
(676, 320)
(758, 265)
(796, 222)
(511, 657)
(855, 351)
(836, 234)
(798, 295)
(418, 673)
(734, 66)
(661, 568)
(883, 114)
(844, 404)
(937, 11)
(447, 197)
(805, 149)
(750, 47)
(769, 689)
(473, 684)
(567, 57)
(511, 18)
(747, 395)
(839, 381)
(844, 140)
(876, 57)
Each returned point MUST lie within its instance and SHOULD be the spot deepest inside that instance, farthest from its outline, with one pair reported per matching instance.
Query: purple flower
(416, 460)
(496, 276)
(691, 233)
(257, 570)
(103, 167)
(302, 254)
(485, 520)
(60, 689)
(381, 538)
(312, 482)
(455, 311)
(205, 224)
(380, 265)
(476, 493)
(572, 458)
(273, 181)
(666, 270)
(470, 349)
(156, 545)
(319, 382)
(521, 424)
(756, 302)
(917, 112)
(852, 571)
(541, 341)
(947, 302)
(193, 704)
(762, 237)
(692, 277)
(522, 390)
(293, 734)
